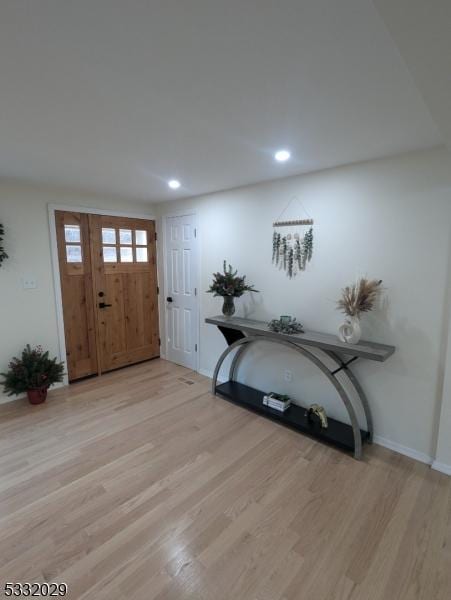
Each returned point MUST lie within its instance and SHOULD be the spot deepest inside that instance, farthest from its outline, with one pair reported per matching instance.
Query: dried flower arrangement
(359, 297)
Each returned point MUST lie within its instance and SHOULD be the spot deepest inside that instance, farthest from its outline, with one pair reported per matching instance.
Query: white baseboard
(206, 373)
(209, 374)
(381, 441)
(442, 467)
(6, 399)
(410, 452)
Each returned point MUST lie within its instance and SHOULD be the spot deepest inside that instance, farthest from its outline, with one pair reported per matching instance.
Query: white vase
(350, 331)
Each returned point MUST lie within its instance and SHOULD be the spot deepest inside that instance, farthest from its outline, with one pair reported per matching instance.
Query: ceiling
(422, 33)
(118, 96)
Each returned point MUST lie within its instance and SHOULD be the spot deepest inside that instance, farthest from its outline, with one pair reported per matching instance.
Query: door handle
(104, 305)
(169, 299)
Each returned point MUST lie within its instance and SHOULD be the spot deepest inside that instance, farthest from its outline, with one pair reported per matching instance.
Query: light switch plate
(29, 282)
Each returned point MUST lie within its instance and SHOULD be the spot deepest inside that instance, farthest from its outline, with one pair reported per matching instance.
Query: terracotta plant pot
(37, 395)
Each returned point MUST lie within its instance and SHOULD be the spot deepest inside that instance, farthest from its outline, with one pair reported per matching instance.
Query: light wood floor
(142, 485)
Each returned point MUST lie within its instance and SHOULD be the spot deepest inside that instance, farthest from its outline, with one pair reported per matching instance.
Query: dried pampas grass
(359, 297)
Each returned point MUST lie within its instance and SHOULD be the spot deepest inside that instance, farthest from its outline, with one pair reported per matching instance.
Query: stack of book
(277, 401)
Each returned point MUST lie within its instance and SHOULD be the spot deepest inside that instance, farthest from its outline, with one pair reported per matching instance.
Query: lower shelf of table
(337, 433)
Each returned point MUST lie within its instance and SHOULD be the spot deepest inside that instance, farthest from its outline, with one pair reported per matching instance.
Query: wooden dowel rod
(296, 222)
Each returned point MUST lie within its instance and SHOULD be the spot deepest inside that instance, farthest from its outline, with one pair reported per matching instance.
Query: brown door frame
(52, 208)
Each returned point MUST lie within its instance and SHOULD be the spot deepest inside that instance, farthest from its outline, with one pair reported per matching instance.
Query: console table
(240, 334)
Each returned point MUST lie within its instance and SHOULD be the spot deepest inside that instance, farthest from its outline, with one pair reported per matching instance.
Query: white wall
(29, 316)
(389, 219)
(443, 453)
(442, 460)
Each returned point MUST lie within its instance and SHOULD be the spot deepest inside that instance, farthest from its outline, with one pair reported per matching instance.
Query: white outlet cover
(29, 282)
(288, 375)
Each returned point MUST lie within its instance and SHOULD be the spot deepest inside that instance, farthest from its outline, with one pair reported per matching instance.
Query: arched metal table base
(242, 344)
(342, 366)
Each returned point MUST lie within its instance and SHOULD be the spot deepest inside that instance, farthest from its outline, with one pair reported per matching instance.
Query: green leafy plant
(229, 283)
(284, 252)
(298, 254)
(308, 245)
(290, 262)
(278, 326)
(33, 370)
(292, 253)
(276, 240)
(3, 254)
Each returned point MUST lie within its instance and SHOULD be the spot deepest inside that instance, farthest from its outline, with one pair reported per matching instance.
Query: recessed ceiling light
(282, 155)
(174, 184)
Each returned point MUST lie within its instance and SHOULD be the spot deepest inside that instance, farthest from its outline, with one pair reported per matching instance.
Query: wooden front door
(125, 290)
(109, 291)
(74, 254)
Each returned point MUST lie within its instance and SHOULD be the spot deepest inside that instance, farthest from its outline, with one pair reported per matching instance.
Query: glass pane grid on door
(108, 235)
(126, 254)
(72, 237)
(141, 254)
(125, 236)
(109, 254)
(72, 233)
(140, 237)
(125, 245)
(73, 253)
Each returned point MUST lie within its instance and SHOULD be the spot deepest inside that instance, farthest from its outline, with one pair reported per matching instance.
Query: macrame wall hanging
(3, 254)
(292, 242)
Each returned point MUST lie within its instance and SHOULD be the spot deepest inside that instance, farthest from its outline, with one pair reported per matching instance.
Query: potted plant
(34, 372)
(355, 300)
(229, 285)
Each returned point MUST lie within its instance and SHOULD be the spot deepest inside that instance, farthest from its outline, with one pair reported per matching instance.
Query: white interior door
(182, 312)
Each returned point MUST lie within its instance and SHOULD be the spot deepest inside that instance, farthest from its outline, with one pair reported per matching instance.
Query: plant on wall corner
(3, 254)
(33, 372)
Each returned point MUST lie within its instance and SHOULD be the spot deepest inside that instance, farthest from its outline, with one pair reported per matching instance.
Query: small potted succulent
(34, 372)
(229, 285)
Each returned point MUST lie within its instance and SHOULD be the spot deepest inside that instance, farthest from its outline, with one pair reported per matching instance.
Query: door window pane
(108, 235)
(125, 236)
(109, 254)
(72, 233)
(73, 254)
(141, 237)
(141, 254)
(126, 254)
